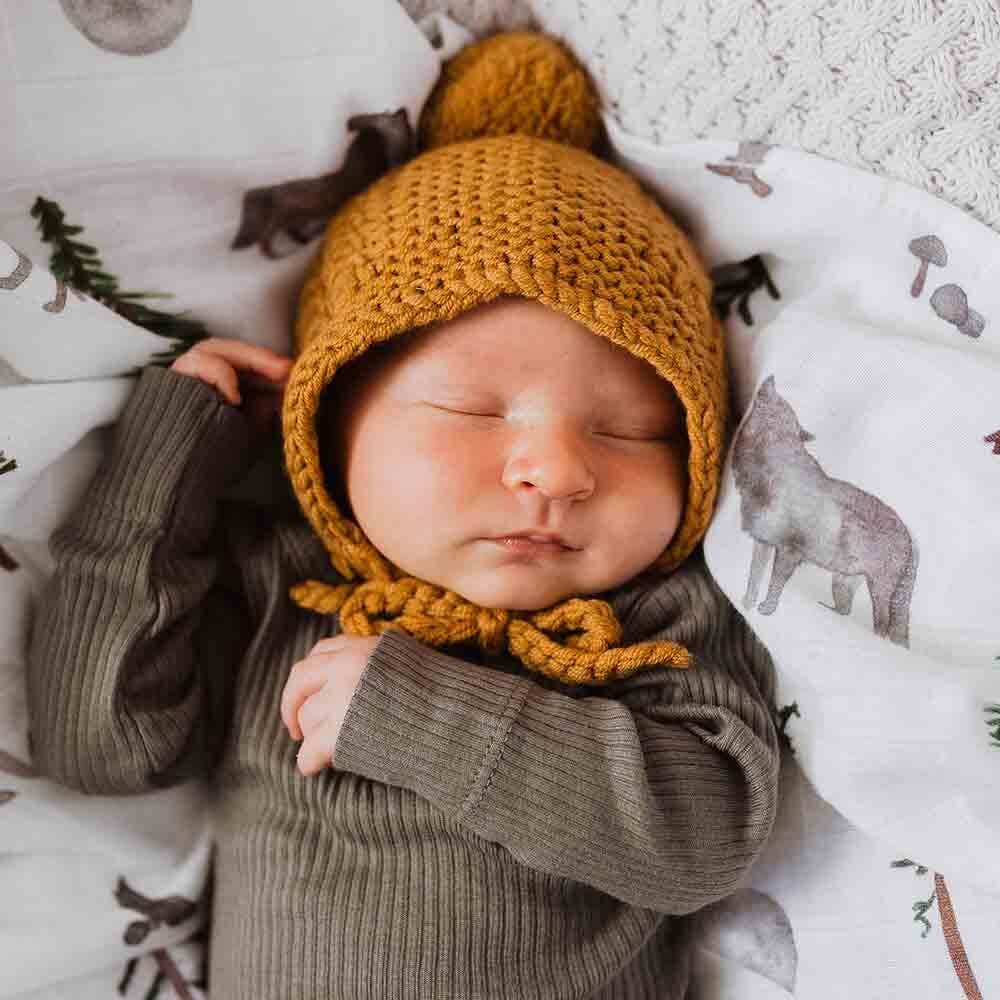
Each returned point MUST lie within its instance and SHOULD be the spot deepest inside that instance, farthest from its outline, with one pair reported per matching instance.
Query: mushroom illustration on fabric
(742, 167)
(994, 439)
(928, 250)
(952, 305)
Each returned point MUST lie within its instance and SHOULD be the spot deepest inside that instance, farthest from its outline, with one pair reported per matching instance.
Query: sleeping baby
(478, 721)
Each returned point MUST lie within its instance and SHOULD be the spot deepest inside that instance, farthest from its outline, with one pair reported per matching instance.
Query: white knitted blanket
(909, 89)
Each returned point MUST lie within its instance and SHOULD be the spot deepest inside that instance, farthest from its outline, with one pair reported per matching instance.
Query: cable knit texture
(455, 228)
(909, 89)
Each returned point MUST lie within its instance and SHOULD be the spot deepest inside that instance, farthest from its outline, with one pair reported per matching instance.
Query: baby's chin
(517, 591)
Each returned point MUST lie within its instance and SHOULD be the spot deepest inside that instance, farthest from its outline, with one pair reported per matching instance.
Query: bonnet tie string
(574, 642)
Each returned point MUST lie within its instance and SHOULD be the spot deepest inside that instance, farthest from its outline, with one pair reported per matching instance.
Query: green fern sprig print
(79, 265)
(993, 723)
(921, 906)
(782, 717)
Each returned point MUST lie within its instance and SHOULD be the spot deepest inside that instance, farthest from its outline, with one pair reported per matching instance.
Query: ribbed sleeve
(426, 721)
(138, 630)
(659, 791)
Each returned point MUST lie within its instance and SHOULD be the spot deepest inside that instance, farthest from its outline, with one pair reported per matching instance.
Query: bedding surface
(863, 322)
(146, 124)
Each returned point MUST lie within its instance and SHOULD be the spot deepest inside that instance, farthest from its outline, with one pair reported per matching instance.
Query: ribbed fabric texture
(484, 833)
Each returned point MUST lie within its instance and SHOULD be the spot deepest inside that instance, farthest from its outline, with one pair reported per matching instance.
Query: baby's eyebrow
(625, 404)
(459, 390)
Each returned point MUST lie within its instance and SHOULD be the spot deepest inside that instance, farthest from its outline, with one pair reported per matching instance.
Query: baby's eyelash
(617, 434)
(628, 439)
(468, 413)
(627, 435)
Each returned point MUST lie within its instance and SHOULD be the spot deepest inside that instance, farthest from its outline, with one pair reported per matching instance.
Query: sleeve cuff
(175, 448)
(426, 721)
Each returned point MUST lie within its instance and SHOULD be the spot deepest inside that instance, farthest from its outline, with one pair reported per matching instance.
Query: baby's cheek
(458, 468)
(653, 492)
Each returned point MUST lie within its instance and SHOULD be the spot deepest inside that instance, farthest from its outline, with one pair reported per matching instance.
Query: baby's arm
(139, 630)
(660, 794)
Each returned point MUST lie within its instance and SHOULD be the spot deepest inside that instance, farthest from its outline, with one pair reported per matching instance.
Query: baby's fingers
(247, 357)
(211, 369)
(314, 754)
(304, 681)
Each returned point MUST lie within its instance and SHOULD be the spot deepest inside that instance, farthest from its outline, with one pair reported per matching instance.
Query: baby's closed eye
(635, 434)
(483, 409)
(639, 432)
(471, 411)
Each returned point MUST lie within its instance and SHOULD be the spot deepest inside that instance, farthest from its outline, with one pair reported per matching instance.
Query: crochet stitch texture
(458, 226)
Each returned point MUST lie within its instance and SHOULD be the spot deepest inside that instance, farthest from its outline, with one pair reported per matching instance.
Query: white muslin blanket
(146, 123)
(857, 530)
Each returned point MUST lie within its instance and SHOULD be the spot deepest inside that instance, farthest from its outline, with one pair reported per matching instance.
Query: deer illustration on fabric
(791, 507)
(302, 208)
(170, 910)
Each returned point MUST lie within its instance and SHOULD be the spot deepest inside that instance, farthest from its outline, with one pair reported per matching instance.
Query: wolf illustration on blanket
(791, 507)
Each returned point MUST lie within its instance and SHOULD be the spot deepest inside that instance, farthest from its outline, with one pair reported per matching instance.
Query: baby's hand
(224, 363)
(318, 690)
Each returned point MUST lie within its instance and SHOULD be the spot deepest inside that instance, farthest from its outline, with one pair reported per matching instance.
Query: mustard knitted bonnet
(504, 199)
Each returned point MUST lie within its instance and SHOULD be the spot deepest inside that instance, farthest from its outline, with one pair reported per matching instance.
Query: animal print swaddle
(857, 527)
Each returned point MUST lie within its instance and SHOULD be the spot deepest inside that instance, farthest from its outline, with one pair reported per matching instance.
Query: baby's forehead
(512, 330)
(511, 338)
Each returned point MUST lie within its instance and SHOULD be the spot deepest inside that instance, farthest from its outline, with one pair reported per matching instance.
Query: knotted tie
(438, 617)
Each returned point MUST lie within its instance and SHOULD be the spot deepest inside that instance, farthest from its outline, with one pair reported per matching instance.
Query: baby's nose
(551, 463)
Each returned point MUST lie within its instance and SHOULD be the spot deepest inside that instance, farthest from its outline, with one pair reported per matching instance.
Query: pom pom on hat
(517, 82)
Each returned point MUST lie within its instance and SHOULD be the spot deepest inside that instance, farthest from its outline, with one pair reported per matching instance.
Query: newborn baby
(479, 721)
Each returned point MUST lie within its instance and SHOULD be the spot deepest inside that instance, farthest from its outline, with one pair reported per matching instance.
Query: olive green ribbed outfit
(487, 832)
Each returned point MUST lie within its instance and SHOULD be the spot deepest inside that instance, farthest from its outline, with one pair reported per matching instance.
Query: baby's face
(516, 458)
